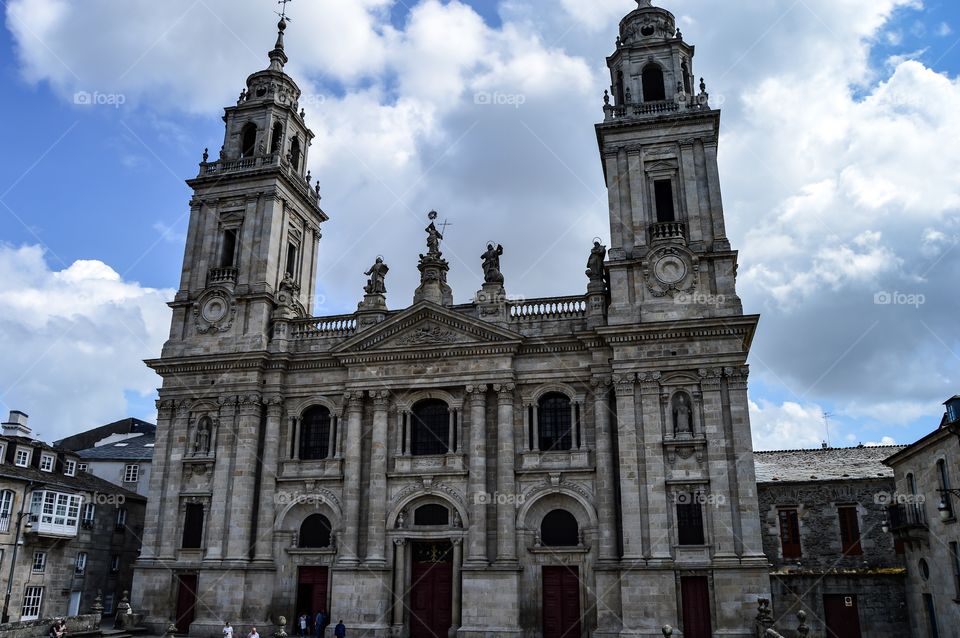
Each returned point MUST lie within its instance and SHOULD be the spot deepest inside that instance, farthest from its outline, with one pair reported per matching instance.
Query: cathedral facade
(574, 466)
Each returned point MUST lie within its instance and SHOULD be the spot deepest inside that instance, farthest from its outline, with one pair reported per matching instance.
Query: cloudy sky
(839, 156)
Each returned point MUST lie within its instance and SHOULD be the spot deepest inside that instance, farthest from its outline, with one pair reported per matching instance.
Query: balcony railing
(46, 528)
(668, 231)
(905, 517)
(325, 327)
(222, 276)
(548, 308)
(681, 102)
(269, 160)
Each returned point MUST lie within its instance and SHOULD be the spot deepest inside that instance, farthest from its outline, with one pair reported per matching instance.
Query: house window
(559, 528)
(121, 518)
(131, 473)
(689, 520)
(81, 565)
(911, 484)
(790, 533)
(89, 509)
(3, 453)
(663, 196)
(22, 459)
(315, 434)
(431, 428)
(228, 251)
(46, 462)
(69, 468)
(944, 486)
(39, 562)
(6, 510)
(193, 527)
(55, 512)
(555, 422)
(82, 467)
(32, 598)
(849, 530)
(115, 563)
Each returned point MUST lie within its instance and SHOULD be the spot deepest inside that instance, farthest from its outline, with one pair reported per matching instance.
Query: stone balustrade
(222, 276)
(258, 162)
(548, 308)
(668, 231)
(325, 327)
(680, 103)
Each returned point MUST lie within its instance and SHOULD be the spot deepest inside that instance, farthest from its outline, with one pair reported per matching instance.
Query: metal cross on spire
(283, 12)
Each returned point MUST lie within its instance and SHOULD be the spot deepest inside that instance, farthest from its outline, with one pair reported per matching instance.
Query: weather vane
(283, 12)
(443, 225)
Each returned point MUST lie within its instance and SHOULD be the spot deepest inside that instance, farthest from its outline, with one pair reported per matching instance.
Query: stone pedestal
(491, 303)
(596, 303)
(433, 281)
(371, 311)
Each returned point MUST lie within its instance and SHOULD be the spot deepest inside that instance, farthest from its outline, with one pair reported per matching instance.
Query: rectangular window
(3, 454)
(228, 253)
(663, 194)
(108, 604)
(946, 498)
(81, 565)
(6, 510)
(121, 518)
(115, 563)
(790, 533)
(46, 462)
(955, 563)
(131, 473)
(82, 467)
(292, 261)
(55, 512)
(22, 459)
(69, 468)
(849, 530)
(89, 510)
(193, 527)
(690, 521)
(32, 598)
(39, 562)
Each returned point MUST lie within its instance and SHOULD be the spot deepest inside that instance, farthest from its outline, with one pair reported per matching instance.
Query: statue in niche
(491, 264)
(376, 284)
(201, 444)
(682, 414)
(595, 268)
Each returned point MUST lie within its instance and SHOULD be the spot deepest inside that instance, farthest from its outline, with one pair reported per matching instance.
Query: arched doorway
(431, 591)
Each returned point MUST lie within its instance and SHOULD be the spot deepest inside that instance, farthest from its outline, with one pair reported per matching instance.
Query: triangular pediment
(427, 325)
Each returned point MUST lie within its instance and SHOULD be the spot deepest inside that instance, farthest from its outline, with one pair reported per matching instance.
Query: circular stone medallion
(670, 269)
(214, 310)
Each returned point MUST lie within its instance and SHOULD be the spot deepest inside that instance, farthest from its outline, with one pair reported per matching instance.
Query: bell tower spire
(255, 219)
(669, 256)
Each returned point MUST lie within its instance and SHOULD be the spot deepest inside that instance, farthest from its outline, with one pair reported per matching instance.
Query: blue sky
(106, 184)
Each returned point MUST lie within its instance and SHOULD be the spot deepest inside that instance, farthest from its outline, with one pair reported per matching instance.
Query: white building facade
(562, 466)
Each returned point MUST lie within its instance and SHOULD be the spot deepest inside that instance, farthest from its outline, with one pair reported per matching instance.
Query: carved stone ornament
(214, 312)
(670, 270)
(429, 334)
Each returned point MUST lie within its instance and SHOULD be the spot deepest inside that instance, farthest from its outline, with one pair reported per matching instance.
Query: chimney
(16, 425)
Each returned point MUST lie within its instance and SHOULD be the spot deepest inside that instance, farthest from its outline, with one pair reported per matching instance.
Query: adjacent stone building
(923, 517)
(822, 514)
(65, 535)
(123, 459)
(566, 466)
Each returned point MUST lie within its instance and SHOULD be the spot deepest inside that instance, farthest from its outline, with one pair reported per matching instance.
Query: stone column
(170, 540)
(268, 480)
(217, 517)
(351, 481)
(292, 442)
(629, 466)
(477, 480)
(536, 428)
(332, 441)
(155, 519)
(457, 583)
(506, 479)
(713, 188)
(399, 582)
(655, 514)
(244, 478)
(606, 509)
(689, 192)
(401, 427)
(743, 490)
(577, 437)
(377, 508)
(723, 534)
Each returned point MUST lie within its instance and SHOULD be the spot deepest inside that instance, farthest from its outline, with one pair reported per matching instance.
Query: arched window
(559, 529)
(621, 97)
(430, 433)
(431, 514)
(248, 140)
(653, 90)
(295, 152)
(555, 422)
(276, 140)
(687, 80)
(6, 510)
(911, 484)
(315, 434)
(315, 532)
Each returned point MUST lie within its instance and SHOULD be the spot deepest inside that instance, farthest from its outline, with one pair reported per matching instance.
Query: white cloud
(76, 340)
(787, 426)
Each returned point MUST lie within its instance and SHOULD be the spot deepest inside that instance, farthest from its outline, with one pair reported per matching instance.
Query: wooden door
(841, 615)
(561, 602)
(311, 592)
(431, 591)
(186, 602)
(695, 594)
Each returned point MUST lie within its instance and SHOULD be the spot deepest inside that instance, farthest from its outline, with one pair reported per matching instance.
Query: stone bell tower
(669, 256)
(254, 223)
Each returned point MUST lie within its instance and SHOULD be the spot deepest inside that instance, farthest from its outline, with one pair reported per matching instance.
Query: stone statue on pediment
(376, 284)
(595, 267)
(491, 264)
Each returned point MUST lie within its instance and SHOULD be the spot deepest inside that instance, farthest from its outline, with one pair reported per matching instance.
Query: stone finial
(317, 189)
(606, 98)
(667, 630)
(123, 612)
(206, 155)
(281, 631)
(172, 629)
(703, 86)
(802, 629)
(97, 607)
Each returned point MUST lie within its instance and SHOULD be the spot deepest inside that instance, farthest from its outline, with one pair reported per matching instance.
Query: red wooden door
(311, 591)
(186, 601)
(841, 615)
(695, 592)
(561, 602)
(431, 592)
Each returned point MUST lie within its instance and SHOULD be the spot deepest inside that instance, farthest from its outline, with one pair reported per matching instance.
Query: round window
(647, 30)
(924, 569)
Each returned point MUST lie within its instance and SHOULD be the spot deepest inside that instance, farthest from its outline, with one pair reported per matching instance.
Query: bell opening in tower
(663, 194)
(653, 89)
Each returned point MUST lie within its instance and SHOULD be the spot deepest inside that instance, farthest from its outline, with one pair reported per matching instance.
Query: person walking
(227, 629)
(340, 631)
(303, 625)
(253, 633)
(320, 623)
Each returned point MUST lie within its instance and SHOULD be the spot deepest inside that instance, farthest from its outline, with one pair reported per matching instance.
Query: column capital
(456, 542)
(476, 392)
(183, 408)
(381, 399)
(249, 403)
(353, 401)
(624, 381)
(165, 408)
(710, 377)
(274, 406)
(737, 377)
(504, 388)
(600, 382)
(400, 542)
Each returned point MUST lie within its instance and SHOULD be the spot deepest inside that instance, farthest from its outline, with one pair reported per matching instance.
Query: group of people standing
(308, 625)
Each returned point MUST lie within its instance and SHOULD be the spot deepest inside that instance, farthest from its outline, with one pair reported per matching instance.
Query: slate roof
(82, 482)
(824, 464)
(137, 448)
(87, 439)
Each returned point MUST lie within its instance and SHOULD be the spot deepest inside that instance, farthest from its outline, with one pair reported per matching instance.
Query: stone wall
(40, 628)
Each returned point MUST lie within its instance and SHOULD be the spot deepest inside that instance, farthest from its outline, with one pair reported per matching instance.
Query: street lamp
(5, 616)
